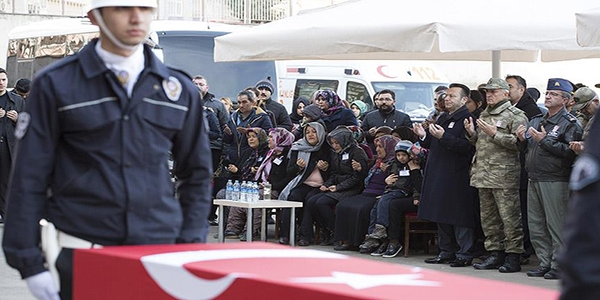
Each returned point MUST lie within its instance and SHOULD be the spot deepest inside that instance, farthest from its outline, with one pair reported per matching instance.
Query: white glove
(42, 286)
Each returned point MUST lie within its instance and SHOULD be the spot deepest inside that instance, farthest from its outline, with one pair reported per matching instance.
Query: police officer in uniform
(496, 173)
(580, 260)
(549, 161)
(92, 154)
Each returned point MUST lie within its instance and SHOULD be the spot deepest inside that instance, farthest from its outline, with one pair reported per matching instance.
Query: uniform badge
(22, 125)
(172, 88)
(554, 131)
(451, 125)
(585, 172)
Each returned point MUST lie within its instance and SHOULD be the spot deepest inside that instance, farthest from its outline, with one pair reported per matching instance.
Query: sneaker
(369, 245)
(392, 250)
(382, 248)
(380, 232)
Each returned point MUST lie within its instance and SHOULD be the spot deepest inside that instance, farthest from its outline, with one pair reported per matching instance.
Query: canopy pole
(496, 57)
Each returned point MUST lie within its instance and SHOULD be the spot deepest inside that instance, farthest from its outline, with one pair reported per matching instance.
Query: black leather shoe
(342, 247)
(439, 260)
(539, 272)
(303, 243)
(494, 261)
(461, 262)
(511, 264)
(213, 222)
(552, 274)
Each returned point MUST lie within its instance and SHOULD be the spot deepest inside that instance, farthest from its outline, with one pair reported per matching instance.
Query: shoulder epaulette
(570, 117)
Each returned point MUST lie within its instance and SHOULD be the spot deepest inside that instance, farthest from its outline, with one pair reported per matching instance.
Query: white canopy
(588, 28)
(423, 29)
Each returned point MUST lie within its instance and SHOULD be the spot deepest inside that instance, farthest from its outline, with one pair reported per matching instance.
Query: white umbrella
(588, 28)
(509, 30)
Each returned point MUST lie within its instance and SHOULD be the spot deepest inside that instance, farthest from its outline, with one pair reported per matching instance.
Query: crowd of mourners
(489, 166)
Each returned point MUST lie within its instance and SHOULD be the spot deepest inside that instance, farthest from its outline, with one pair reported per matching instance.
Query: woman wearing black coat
(343, 182)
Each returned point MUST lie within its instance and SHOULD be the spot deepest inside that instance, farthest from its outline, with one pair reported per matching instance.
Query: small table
(263, 204)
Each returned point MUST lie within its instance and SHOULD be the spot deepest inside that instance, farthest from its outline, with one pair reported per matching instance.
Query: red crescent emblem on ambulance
(380, 71)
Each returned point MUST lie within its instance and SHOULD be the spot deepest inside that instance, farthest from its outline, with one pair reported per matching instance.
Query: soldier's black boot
(494, 261)
(512, 264)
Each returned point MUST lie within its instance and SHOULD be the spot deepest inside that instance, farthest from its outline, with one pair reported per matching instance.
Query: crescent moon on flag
(167, 270)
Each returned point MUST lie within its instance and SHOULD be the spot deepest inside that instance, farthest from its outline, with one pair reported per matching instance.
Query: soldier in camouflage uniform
(586, 105)
(496, 173)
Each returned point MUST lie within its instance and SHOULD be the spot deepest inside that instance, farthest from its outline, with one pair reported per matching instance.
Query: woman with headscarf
(359, 108)
(343, 182)
(298, 109)
(248, 163)
(273, 168)
(401, 195)
(359, 137)
(308, 164)
(335, 112)
(353, 214)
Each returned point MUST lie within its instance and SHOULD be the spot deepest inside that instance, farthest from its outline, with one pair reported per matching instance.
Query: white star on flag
(364, 281)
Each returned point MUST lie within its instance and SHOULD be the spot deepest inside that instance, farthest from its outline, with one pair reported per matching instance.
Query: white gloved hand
(42, 286)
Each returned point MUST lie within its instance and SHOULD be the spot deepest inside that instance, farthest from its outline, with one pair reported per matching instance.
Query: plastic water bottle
(229, 190)
(266, 191)
(255, 191)
(244, 192)
(236, 191)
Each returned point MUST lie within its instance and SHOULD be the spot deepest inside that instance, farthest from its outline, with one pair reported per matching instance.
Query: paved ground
(13, 288)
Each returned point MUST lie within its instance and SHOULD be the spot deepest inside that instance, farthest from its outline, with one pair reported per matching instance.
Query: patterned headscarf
(333, 101)
(253, 159)
(261, 134)
(358, 133)
(389, 144)
(343, 136)
(282, 139)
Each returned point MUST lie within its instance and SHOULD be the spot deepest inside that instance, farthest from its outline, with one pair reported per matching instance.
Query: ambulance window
(358, 91)
(307, 87)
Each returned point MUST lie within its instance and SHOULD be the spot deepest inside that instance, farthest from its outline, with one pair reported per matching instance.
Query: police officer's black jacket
(551, 159)
(94, 162)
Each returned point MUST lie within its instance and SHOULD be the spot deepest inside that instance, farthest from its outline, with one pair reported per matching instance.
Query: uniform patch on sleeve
(585, 172)
(22, 125)
(172, 88)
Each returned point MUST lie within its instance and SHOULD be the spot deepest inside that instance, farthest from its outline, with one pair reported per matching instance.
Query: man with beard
(385, 115)
(281, 117)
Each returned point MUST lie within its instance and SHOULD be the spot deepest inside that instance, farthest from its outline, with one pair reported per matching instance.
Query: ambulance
(413, 82)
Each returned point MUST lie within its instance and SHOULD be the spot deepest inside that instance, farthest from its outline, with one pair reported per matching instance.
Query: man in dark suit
(447, 197)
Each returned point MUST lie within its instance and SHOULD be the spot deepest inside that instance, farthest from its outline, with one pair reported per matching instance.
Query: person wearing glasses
(549, 161)
(385, 115)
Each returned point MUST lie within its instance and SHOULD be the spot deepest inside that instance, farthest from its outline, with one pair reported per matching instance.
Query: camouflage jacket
(496, 162)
